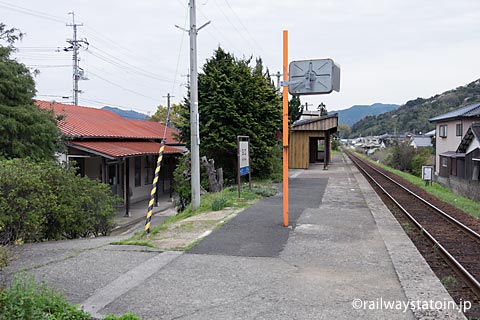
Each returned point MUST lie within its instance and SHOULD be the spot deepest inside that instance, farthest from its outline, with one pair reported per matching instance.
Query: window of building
(442, 131)
(138, 171)
(444, 161)
(459, 129)
(150, 166)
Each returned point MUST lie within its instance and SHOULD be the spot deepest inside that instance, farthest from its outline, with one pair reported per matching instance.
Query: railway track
(458, 243)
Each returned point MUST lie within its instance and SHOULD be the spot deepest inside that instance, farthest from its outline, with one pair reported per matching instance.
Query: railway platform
(344, 256)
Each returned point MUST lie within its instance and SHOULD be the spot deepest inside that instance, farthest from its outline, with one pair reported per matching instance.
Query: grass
(27, 299)
(469, 206)
(210, 202)
(448, 282)
(4, 256)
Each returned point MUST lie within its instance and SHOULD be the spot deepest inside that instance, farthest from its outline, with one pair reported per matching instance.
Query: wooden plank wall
(299, 148)
(318, 125)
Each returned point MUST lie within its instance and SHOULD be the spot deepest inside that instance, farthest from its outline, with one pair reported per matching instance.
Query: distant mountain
(354, 114)
(129, 114)
(413, 116)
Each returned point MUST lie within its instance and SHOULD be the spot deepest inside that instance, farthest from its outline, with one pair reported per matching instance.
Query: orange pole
(285, 129)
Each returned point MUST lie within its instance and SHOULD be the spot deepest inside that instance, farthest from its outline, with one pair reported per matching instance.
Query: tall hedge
(47, 201)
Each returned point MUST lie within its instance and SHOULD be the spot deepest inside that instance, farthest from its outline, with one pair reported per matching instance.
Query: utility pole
(278, 75)
(167, 120)
(194, 117)
(75, 44)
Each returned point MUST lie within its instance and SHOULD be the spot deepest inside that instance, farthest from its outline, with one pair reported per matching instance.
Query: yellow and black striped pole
(154, 187)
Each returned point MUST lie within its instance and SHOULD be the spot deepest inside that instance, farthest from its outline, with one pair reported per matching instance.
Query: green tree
(161, 114)
(344, 130)
(25, 130)
(295, 109)
(235, 99)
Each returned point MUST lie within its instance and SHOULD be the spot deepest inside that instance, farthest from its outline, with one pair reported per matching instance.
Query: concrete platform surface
(344, 257)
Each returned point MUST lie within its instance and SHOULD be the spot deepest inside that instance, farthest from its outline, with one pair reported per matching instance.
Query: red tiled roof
(85, 122)
(158, 127)
(115, 149)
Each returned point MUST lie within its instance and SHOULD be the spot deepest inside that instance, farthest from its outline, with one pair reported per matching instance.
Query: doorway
(114, 174)
(316, 149)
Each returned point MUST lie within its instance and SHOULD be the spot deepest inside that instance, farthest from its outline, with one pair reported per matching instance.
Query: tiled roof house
(117, 151)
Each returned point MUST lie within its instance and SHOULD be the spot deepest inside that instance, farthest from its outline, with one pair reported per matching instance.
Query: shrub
(44, 201)
(25, 299)
(182, 187)
(4, 256)
(182, 180)
(126, 316)
(219, 203)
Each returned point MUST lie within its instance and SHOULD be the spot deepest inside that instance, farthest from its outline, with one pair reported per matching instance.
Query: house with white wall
(456, 134)
(449, 130)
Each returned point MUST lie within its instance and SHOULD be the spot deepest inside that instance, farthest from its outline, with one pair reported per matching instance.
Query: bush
(219, 203)
(126, 316)
(25, 299)
(182, 180)
(45, 201)
(4, 257)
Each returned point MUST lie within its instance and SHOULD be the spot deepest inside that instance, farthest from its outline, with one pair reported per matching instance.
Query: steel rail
(473, 281)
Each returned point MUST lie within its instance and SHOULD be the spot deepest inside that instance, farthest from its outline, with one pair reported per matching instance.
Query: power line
(48, 65)
(123, 50)
(30, 12)
(180, 52)
(124, 65)
(231, 23)
(218, 31)
(122, 87)
(244, 28)
(52, 95)
(124, 76)
(110, 104)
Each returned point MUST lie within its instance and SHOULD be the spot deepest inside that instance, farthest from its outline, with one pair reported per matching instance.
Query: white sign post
(427, 174)
(243, 143)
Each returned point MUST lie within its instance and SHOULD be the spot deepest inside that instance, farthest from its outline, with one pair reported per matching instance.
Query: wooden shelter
(310, 141)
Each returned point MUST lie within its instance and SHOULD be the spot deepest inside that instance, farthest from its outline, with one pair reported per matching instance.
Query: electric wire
(245, 28)
(48, 65)
(105, 56)
(110, 104)
(123, 88)
(179, 53)
(233, 25)
(126, 76)
(31, 12)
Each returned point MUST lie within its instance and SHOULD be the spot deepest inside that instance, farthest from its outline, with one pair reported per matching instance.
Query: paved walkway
(138, 213)
(344, 257)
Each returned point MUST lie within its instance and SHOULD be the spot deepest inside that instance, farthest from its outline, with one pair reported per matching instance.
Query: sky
(389, 51)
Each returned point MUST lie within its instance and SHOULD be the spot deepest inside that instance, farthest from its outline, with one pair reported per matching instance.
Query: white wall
(451, 142)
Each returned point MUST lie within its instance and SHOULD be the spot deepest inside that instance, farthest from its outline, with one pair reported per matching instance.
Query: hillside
(129, 114)
(413, 116)
(354, 114)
